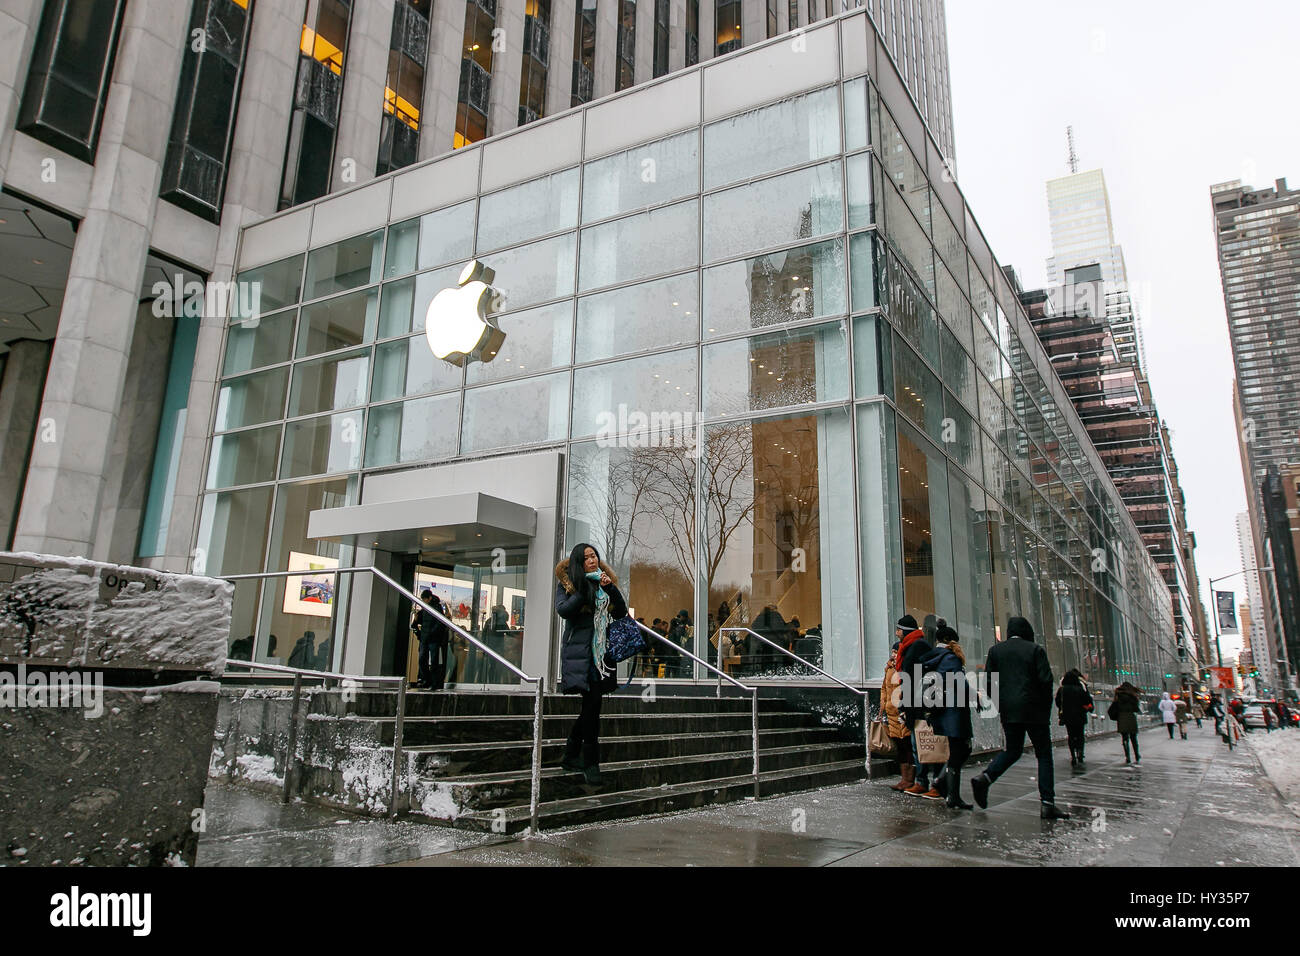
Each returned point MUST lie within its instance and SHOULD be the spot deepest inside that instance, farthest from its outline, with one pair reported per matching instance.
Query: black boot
(941, 783)
(591, 764)
(572, 761)
(955, 801)
(1049, 811)
(979, 785)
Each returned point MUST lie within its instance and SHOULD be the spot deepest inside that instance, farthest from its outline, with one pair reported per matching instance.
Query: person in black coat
(1073, 702)
(1024, 697)
(952, 719)
(433, 635)
(912, 649)
(584, 585)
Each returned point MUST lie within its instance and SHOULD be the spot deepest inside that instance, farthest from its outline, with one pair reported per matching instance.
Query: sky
(1167, 99)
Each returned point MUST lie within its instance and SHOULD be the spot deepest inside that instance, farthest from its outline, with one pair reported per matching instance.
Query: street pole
(1218, 650)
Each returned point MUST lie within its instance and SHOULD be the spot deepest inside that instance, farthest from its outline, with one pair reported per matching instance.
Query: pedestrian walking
(953, 718)
(890, 695)
(1024, 694)
(432, 634)
(588, 598)
(913, 648)
(1198, 711)
(1180, 715)
(1168, 711)
(1281, 713)
(1073, 704)
(1214, 710)
(906, 697)
(1124, 710)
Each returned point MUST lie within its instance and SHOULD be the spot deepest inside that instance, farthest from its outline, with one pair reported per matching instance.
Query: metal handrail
(753, 691)
(866, 698)
(291, 748)
(536, 781)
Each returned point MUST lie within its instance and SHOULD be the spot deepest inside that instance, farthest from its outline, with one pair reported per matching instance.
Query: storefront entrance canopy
(443, 523)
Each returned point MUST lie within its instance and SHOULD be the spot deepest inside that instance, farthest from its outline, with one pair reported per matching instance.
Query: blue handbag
(623, 640)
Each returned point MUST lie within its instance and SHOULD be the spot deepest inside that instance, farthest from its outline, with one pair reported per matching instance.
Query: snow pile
(257, 768)
(1279, 752)
(367, 776)
(438, 802)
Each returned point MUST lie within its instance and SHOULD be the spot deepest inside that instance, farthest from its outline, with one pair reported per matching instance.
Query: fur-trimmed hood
(562, 574)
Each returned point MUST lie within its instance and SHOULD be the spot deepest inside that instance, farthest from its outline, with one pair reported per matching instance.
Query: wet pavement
(1189, 803)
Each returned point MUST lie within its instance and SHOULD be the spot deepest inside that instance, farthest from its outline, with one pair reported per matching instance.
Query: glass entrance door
(483, 592)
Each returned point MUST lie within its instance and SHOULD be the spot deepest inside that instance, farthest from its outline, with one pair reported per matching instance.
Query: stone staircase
(467, 756)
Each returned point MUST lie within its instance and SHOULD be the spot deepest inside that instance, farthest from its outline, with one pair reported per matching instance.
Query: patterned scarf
(601, 621)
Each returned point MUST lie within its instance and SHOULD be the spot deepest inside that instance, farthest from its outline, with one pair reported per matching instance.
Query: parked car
(1253, 716)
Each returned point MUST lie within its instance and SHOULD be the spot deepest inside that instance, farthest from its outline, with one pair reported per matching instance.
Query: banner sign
(1221, 679)
(1225, 605)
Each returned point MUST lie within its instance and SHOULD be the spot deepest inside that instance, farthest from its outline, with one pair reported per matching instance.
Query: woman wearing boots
(588, 598)
(1072, 704)
(890, 694)
(1124, 710)
(953, 719)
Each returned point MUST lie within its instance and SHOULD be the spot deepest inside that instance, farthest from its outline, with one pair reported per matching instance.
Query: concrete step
(474, 704)
(600, 806)
(458, 759)
(487, 791)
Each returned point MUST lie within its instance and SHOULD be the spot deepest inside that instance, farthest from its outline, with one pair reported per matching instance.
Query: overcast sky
(1167, 98)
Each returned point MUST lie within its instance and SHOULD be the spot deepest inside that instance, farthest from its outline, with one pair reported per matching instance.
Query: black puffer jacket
(1072, 703)
(578, 671)
(1024, 688)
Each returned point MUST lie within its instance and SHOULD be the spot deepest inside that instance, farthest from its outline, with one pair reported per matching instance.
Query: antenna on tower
(1074, 157)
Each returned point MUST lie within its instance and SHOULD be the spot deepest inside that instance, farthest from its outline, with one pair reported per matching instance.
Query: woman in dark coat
(953, 719)
(1073, 703)
(588, 598)
(1124, 710)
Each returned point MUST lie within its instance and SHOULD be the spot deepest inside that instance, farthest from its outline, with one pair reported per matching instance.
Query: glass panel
(903, 172)
(787, 286)
(232, 539)
(443, 236)
(651, 548)
(339, 382)
(801, 205)
(972, 567)
(912, 313)
(776, 370)
(862, 196)
(958, 371)
(300, 616)
(516, 413)
(536, 340)
(344, 265)
(642, 176)
(614, 398)
(662, 240)
(779, 544)
(267, 288)
(531, 274)
(919, 395)
(855, 114)
(338, 323)
(873, 364)
(422, 430)
(253, 343)
(251, 400)
(243, 458)
(635, 318)
(408, 367)
(928, 588)
(797, 130)
(881, 554)
(404, 303)
(952, 305)
(961, 436)
(866, 254)
(949, 245)
(323, 445)
(535, 208)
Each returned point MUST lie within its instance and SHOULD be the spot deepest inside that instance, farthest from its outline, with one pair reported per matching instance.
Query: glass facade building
(757, 351)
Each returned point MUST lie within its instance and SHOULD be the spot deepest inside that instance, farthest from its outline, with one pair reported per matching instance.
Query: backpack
(1113, 710)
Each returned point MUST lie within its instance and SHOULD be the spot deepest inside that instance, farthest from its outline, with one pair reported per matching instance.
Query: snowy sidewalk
(1279, 752)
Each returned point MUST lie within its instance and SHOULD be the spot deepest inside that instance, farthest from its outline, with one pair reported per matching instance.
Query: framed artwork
(311, 594)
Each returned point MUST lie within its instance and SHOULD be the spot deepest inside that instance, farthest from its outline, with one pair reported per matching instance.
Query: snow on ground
(257, 768)
(1279, 752)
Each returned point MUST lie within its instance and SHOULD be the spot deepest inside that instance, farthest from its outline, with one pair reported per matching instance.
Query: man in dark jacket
(433, 643)
(1024, 698)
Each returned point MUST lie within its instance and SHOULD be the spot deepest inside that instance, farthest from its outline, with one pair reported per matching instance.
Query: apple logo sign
(458, 325)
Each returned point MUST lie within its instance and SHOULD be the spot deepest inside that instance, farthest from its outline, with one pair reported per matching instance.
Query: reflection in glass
(443, 236)
(911, 312)
(643, 176)
(251, 400)
(339, 322)
(324, 384)
(918, 393)
(516, 413)
(882, 582)
(344, 265)
(533, 273)
(232, 536)
(855, 114)
(655, 314)
(867, 265)
(661, 240)
(805, 204)
(777, 370)
(425, 429)
(927, 534)
(535, 208)
(797, 130)
(252, 343)
(614, 398)
(267, 288)
(324, 445)
(873, 363)
(778, 541)
(536, 340)
(787, 286)
(863, 177)
(243, 458)
(408, 367)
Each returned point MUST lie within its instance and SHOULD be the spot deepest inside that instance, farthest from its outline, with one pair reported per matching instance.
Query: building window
(771, 18)
(728, 26)
(194, 174)
(309, 158)
(475, 73)
(692, 32)
(584, 52)
(625, 65)
(661, 37)
(794, 14)
(399, 130)
(537, 44)
(67, 84)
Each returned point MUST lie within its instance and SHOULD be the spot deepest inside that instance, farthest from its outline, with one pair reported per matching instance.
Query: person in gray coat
(1024, 698)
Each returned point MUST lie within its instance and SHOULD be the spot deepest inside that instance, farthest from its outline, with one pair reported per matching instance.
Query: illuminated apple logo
(458, 323)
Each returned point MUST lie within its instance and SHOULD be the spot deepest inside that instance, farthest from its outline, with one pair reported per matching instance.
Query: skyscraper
(1253, 634)
(1258, 236)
